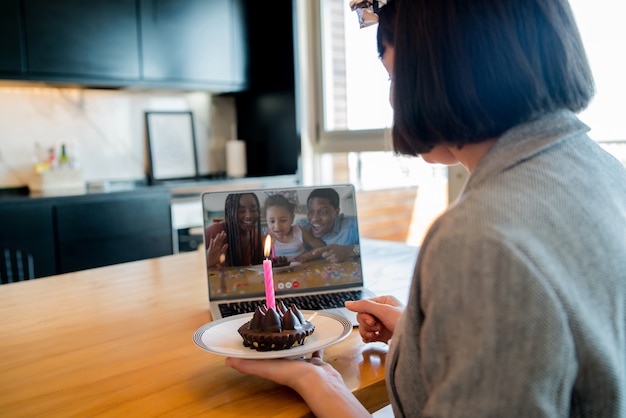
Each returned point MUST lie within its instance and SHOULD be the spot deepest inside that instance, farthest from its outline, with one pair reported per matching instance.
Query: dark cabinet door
(113, 230)
(193, 42)
(10, 39)
(28, 227)
(77, 39)
(266, 113)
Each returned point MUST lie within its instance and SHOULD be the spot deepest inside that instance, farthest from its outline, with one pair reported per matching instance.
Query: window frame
(317, 141)
(309, 70)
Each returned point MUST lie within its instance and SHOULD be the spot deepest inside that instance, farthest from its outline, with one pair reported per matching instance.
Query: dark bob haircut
(467, 71)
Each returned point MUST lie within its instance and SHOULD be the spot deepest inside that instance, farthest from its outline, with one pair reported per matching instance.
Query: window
(343, 94)
(347, 102)
(355, 87)
(603, 32)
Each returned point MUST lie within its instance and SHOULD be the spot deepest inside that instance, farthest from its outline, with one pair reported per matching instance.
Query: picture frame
(171, 145)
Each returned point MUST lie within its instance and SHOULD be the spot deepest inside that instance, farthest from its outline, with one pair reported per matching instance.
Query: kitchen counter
(179, 189)
(108, 223)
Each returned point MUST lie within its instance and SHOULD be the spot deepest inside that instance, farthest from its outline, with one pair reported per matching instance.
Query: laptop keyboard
(307, 302)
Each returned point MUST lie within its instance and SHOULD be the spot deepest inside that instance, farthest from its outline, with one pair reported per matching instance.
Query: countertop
(181, 189)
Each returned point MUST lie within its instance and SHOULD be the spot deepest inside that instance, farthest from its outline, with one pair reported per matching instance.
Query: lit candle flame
(268, 246)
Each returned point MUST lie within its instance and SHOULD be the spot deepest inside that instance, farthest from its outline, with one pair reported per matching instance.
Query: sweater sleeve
(494, 339)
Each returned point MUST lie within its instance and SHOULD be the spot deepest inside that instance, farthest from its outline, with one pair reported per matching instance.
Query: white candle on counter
(236, 165)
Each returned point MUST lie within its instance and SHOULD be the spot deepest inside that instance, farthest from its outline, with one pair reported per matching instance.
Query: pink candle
(269, 278)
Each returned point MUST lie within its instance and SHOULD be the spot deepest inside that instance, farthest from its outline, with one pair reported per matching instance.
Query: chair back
(16, 265)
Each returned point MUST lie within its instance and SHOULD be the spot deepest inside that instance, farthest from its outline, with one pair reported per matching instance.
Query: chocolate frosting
(257, 319)
(298, 314)
(271, 322)
(291, 321)
(276, 329)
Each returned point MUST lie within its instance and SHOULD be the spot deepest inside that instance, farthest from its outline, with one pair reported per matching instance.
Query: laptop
(236, 278)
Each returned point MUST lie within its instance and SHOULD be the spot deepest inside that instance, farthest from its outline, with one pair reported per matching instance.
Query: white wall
(106, 127)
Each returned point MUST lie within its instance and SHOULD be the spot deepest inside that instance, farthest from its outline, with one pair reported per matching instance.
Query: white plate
(221, 337)
(259, 267)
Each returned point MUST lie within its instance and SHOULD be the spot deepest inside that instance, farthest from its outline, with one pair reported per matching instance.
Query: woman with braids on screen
(237, 240)
(517, 306)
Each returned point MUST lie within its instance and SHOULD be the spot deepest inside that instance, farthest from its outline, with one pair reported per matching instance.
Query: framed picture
(171, 145)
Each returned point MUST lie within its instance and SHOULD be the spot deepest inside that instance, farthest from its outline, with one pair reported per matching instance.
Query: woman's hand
(216, 252)
(288, 372)
(377, 317)
(317, 382)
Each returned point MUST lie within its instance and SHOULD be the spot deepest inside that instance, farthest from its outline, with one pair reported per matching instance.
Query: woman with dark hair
(473, 70)
(237, 240)
(518, 301)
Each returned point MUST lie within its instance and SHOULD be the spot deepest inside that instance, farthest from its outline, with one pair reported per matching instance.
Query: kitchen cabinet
(77, 41)
(28, 225)
(10, 39)
(266, 112)
(193, 43)
(70, 233)
(113, 229)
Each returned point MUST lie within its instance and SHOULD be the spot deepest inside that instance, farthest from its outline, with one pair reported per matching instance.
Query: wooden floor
(386, 214)
(400, 214)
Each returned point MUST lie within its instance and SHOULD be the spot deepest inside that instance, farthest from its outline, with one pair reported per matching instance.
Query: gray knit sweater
(518, 302)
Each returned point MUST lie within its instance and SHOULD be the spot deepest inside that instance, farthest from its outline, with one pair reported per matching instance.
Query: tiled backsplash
(105, 127)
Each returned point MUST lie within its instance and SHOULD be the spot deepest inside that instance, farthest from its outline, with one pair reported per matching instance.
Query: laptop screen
(313, 240)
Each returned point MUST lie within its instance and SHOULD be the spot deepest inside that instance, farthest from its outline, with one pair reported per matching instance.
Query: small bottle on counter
(64, 161)
(52, 158)
(40, 163)
(72, 154)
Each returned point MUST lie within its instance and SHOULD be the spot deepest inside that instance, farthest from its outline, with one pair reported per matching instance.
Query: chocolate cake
(280, 261)
(278, 329)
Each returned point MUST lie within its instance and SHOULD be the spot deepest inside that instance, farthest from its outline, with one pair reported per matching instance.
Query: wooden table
(117, 341)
